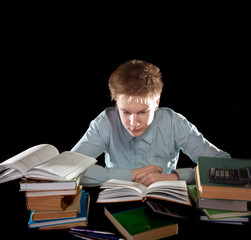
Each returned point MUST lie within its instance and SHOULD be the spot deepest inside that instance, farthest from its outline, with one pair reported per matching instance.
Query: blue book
(82, 215)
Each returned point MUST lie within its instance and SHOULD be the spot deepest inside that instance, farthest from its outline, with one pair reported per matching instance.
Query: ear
(157, 103)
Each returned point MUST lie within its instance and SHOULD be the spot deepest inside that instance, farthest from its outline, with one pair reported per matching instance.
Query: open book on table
(44, 161)
(121, 191)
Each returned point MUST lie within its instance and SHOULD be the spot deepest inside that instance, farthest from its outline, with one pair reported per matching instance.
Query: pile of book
(55, 205)
(218, 202)
(51, 181)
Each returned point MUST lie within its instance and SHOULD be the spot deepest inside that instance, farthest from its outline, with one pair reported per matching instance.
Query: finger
(157, 168)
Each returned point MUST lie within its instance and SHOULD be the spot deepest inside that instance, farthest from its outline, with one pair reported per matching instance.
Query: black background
(56, 61)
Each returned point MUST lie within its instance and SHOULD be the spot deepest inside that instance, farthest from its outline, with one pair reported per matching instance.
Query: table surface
(14, 220)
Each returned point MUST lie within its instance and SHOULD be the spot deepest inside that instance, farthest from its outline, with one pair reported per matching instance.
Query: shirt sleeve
(193, 144)
(93, 143)
(96, 175)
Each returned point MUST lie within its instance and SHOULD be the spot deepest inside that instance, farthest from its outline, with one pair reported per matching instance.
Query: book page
(30, 158)
(140, 188)
(64, 166)
(175, 191)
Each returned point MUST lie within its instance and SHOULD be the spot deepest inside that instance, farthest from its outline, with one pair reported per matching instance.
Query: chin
(136, 134)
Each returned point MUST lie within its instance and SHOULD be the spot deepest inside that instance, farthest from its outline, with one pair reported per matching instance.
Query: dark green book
(137, 223)
(208, 189)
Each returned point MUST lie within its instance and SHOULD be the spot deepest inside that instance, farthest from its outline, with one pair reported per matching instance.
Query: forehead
(126, 99)
(134, 104)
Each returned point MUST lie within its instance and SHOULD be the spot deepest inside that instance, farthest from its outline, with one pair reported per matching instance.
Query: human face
(136, 116)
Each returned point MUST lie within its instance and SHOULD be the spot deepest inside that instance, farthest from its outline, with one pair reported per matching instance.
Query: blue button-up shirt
(160, 145)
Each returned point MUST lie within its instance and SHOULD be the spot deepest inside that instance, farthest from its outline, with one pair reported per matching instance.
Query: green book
(208, 189)
(136, 223)
(222, 214)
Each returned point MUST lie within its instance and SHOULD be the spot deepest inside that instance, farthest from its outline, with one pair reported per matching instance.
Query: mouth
(136, 130)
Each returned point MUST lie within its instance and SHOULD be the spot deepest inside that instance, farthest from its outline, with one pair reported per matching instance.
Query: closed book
(212, 190)
(55, 223)
(231, 220)
(221, 214)
(70, 211)
(218, 204)
(45, 185)
(136, 223)
(64, 192)
(213, 214)
(55, 202)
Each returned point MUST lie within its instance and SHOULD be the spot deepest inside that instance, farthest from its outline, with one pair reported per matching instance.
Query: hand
(152, 177)
(139, 172)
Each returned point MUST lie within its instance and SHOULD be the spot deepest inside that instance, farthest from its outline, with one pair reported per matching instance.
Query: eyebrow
(144, 110)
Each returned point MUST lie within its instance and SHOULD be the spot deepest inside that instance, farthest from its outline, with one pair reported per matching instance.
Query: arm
(93, 144)
(193, 144)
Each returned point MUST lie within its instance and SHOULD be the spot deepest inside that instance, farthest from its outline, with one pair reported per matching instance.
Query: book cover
(222, 214)
(64, 192)
(218, 204)
(81, 217)
(70, 211)
(208, 189)
(46, 185)
(218, 214)
(136, 223)
(232, 220)
(53, 202)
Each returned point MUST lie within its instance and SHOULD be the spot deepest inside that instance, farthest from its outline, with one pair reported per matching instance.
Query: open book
(44, 161)
(121, 191)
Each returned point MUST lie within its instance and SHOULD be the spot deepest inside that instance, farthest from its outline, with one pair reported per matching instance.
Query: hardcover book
(208, 189)
(44, 161)
(121, 191)
(218, 204)
(70, 211)
(46, 185)
(78, 220)
(135, 223)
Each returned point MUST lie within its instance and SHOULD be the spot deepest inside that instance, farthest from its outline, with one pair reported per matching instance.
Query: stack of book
(218, 202)
(51, 182)
(61, 207)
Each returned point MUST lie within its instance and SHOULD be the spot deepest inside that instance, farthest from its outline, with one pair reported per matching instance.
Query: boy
(141, 141)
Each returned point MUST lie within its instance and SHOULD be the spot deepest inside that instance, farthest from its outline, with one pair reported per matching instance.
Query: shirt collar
(147, 136)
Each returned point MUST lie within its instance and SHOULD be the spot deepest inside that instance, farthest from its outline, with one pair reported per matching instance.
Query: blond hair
(136, 78)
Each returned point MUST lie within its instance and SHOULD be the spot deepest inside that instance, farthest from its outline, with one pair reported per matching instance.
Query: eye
(126, 113)
(143, 112)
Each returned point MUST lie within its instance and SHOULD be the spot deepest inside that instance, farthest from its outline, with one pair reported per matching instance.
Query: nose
(134, 121)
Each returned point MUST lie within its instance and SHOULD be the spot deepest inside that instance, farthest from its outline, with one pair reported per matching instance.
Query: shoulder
(170, 119)
(164, 113)
(107, 116)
